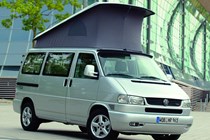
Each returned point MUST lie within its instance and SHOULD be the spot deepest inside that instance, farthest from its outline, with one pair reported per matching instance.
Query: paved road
(10, 129)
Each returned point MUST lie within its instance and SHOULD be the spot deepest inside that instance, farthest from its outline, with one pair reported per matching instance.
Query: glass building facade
(180, 39)
(15, 42)
(178, 36)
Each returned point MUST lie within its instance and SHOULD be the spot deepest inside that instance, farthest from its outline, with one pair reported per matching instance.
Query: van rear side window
(33, 63)
(58, 64)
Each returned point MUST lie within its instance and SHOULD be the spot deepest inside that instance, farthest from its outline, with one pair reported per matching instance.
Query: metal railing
(7, 88)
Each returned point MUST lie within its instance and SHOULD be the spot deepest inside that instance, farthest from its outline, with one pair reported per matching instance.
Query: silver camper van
(105, 91)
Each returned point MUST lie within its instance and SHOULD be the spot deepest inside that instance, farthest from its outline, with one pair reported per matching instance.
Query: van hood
(151, 88)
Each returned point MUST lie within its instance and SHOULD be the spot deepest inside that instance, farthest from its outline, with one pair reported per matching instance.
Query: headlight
(134, 100)
(186, 103)
(123, 99)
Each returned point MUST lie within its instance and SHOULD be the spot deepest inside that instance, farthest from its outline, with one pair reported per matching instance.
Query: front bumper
(148, 123)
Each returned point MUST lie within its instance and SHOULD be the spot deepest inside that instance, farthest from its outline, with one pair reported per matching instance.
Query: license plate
(167, 120)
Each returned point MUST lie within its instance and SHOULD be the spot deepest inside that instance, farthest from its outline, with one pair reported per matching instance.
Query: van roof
(101, 25)
(61, 49)
(86, 50)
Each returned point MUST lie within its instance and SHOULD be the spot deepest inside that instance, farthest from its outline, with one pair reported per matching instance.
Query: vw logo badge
(165, 102)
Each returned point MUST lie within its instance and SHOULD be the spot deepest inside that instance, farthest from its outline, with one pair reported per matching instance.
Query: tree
(33, 13)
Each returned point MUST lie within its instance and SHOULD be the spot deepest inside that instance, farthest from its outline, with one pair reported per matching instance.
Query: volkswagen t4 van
(104, 88)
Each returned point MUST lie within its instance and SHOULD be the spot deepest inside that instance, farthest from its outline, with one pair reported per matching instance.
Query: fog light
(135, 124)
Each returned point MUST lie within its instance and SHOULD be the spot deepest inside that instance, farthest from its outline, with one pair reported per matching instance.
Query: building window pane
(20, 35)
(2, 57)
(4, 35)
(13, 59)
(18, 47)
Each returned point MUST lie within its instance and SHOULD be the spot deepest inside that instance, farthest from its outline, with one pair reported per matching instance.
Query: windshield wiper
(119, 74)
(152, 78)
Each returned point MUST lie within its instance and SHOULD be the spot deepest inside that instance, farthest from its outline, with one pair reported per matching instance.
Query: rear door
(53, 85)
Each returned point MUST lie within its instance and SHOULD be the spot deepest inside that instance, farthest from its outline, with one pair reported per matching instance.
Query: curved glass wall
(178, 37)
(208, 54)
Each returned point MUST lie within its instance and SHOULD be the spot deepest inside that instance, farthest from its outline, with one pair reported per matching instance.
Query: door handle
(70, 83)
(65, 82)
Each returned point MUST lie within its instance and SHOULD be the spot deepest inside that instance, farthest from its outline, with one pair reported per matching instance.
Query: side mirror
(169, 76)
(90, 71)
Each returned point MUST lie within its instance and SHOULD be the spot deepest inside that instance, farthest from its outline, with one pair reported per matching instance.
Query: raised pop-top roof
(101, 25)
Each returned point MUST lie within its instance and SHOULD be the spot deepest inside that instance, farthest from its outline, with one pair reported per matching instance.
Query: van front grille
(160, 110)
(160, 101)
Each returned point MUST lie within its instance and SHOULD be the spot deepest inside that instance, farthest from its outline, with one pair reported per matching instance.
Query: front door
(83, 90)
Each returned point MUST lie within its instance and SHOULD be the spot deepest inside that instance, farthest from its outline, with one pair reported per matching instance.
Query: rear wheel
(28, 118)
(99, 126)
(165, 137)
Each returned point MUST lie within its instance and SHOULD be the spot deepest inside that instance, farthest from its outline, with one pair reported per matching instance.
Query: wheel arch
(97, 107)
(26, 100)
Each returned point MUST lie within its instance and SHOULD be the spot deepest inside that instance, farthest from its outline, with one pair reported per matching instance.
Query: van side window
(33, 63)
(83, 60)
(58, 64)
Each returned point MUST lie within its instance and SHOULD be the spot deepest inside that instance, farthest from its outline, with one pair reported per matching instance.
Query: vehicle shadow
(73, 134)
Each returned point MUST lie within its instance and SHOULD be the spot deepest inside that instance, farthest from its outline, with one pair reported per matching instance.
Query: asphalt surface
(10, 128)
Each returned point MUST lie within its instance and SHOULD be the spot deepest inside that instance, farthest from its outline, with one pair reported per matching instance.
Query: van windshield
(128, 65)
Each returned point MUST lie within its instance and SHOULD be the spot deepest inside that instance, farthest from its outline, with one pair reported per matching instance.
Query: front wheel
(28, 118)
(99, 126)
(165, 137)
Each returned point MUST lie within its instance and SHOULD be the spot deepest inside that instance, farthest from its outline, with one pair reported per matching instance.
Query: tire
(83, 129)
(28, 118)
(165, 137)
(99, 126)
